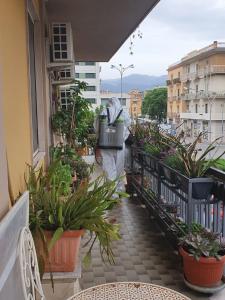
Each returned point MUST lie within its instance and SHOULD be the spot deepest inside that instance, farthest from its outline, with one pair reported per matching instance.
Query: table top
(129, 291)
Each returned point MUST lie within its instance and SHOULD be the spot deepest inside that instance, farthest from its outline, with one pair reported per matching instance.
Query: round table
(128, 291)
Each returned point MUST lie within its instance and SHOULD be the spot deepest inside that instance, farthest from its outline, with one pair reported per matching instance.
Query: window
(104, 101)
(85, 75)
(65, 94)
(90, 75)
(91, 88)
(196, 88)
(86, 63)
(196, 108)
(178, 109)
(188, 69)
(89, 63)
(33, 90)
(123, 101)
(178, 92)
(91, 100)
(206, 108)
(179, 75)
(60, 40)
(65, 73)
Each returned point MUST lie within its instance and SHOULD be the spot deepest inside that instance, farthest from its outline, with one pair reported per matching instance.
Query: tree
(155, 104)
(74, 122)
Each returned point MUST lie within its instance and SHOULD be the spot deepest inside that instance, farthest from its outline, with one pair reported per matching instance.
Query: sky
(171, 30)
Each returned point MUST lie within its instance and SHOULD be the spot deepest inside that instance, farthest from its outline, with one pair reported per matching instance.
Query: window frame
(32, 12)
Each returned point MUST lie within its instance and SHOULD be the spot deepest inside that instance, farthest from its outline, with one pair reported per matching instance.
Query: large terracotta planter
(64, 254)
(205, 272)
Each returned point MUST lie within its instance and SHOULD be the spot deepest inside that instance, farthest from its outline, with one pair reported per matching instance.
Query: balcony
(201, 116)
(176, 80)
(169, 82)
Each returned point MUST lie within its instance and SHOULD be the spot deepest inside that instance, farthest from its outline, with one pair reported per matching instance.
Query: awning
(99, 27)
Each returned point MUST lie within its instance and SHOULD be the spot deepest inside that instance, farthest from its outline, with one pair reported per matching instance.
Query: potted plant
(203, 258)
(172, 162)
(72, 124)
(195, 165)
(154, 151)
(60, 219)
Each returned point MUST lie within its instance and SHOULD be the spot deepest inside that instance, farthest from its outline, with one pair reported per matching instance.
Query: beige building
(202, 90)
(136, 98)
(175, 106)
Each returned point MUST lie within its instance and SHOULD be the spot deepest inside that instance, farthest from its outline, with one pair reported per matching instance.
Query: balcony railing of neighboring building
(169, 82)
(217, 69)
(202, 72)
(176, 80)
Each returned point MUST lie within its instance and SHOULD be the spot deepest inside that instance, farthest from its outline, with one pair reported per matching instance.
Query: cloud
(170, 31)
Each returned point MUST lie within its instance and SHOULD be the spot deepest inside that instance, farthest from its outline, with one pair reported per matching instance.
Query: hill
(134, 81)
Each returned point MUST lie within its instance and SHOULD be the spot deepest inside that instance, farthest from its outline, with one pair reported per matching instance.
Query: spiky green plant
(52, 210)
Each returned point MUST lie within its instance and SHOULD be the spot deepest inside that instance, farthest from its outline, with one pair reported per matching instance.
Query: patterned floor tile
(143, 254)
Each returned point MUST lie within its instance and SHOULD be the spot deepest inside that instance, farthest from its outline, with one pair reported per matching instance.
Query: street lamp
(121, 69)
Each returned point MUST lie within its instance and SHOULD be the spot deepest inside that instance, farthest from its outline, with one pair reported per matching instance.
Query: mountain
(134, 81)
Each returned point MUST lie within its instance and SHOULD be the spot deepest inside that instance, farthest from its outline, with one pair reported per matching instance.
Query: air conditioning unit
(63, 76)
(62, 42)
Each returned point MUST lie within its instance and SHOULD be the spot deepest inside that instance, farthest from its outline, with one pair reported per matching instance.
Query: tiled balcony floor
(142, 254)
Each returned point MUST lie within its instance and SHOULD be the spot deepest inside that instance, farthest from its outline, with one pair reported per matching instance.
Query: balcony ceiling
(100, 27)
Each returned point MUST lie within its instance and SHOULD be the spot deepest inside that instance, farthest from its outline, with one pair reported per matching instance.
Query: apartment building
(136, 98)
(202, 91)
(175, 106)
(90, 73)
(125, 101)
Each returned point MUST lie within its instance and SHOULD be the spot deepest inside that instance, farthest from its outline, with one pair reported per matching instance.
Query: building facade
(90, 73)
(175, 106)
(125, 102)
(202, 76)
(136, 98)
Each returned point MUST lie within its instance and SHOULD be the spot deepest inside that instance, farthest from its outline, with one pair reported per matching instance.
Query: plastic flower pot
(202, 187)
(205, 272)
(64, 254)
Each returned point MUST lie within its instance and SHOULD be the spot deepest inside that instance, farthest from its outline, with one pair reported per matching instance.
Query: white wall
(109, 95)
(91, 81)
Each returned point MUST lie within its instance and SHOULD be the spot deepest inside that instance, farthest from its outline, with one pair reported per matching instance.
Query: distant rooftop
(213, 46)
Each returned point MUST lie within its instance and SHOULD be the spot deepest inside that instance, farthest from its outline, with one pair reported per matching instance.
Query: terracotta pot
(64, 254)
(206, 272)
(82, 151)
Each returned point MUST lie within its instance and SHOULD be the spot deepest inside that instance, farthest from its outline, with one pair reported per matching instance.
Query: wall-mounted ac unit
(62, 42)
(63, 76)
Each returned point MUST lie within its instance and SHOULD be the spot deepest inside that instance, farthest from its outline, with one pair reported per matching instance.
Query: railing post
(158, 167)
(189, 205)
(142, 171)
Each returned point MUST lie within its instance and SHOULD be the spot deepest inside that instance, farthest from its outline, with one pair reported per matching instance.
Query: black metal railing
(175, 200)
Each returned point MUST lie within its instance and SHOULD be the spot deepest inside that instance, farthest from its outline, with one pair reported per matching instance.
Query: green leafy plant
(152, 149)
(83, 170)
(51, 209)
(202, 243)
(195, 164)
(174, 162)
(74, 122)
